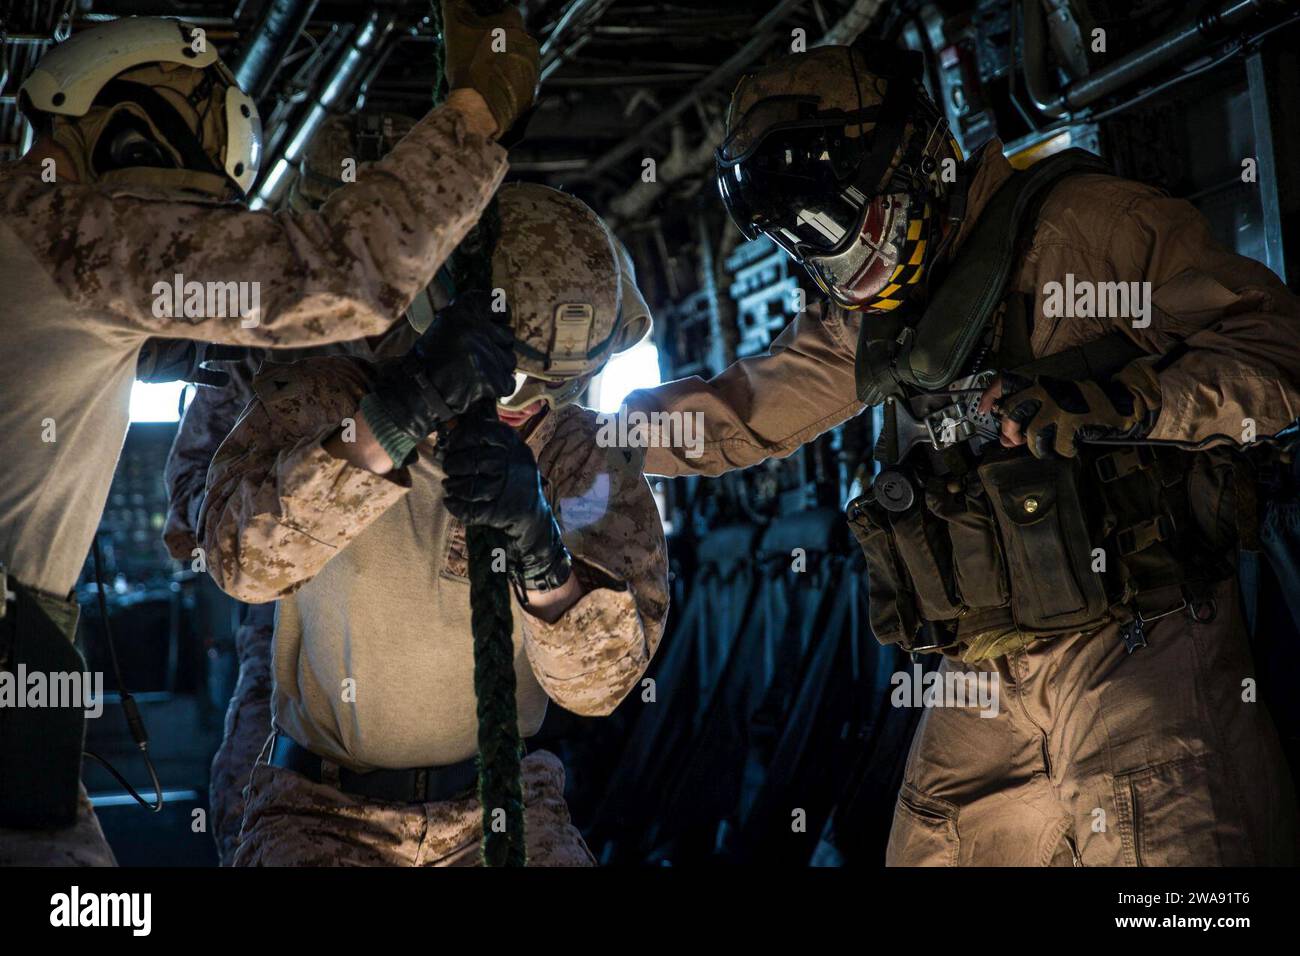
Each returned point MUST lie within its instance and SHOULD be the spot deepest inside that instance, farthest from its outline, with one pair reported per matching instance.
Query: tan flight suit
(1095, 756)
(373, 660)
(208, 419)
(79, 265)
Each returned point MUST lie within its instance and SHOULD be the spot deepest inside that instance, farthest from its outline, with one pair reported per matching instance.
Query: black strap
(417, 785)
(903, 79)
(1013, 347)
(1099, 358)
(958, 313)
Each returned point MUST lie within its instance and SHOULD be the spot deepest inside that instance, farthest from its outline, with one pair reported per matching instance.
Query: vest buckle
(1140, 536)
(1133, 634)
(1124, 462)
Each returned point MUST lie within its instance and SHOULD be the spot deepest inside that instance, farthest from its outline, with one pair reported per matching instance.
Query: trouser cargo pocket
(924, 832)
(1169, 816)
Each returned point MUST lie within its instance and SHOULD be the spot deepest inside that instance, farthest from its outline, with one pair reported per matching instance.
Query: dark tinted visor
(797, 185)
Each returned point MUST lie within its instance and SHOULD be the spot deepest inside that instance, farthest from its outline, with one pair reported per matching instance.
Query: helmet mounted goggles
(806, 177)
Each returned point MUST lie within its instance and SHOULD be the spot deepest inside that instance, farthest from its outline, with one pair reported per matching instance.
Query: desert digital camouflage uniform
(1161, 742)
(372, 579)
(296, 821)
(79, 263)
(208, 419)
(213, 412)
(244, 731)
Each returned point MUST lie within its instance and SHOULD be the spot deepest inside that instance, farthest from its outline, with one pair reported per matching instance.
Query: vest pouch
(1047, 543)
(923, 546)
(891, 602)
(978, 570)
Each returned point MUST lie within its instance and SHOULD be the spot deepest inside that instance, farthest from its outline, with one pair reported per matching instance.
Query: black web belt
(418, 785)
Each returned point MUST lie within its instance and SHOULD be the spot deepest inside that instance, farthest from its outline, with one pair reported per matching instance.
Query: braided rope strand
(500, 787)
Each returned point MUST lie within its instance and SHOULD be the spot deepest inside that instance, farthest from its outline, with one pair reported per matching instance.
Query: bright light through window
(156, 401)
(638, 367)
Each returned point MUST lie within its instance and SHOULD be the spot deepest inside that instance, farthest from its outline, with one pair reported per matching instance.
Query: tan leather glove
(506, 77)
(1052, 413)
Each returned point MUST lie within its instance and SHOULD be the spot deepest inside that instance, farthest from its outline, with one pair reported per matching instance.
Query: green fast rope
(500, 789)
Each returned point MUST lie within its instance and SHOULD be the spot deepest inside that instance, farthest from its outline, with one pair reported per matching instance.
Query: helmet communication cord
(129, 707)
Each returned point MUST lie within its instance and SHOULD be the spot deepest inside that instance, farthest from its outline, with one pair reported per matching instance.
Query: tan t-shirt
(374, 659)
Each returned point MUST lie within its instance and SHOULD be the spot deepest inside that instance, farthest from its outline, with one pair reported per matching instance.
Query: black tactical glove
(464, 357)
(492, 481)
(182, 360)
(1054, 413)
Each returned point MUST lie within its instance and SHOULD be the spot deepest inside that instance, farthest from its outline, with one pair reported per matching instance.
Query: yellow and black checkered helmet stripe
(911, 266)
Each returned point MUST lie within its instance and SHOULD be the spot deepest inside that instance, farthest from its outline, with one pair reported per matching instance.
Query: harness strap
(1099, 358)
(958, 313)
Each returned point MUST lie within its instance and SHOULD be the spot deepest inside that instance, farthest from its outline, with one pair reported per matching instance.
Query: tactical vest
(976, 549)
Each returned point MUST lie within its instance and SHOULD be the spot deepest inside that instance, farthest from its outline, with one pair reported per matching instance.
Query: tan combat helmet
(635, 313)
(571, 293)
(568, 282)
(147, 100)
(342, 140)
(565, 283)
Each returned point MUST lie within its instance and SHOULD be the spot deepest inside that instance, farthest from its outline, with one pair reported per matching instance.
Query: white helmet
(148, 95)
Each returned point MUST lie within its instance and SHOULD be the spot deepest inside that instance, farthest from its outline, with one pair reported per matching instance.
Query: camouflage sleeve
(589, 659)
(278, 506)
(344, 273)
(207, 421)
